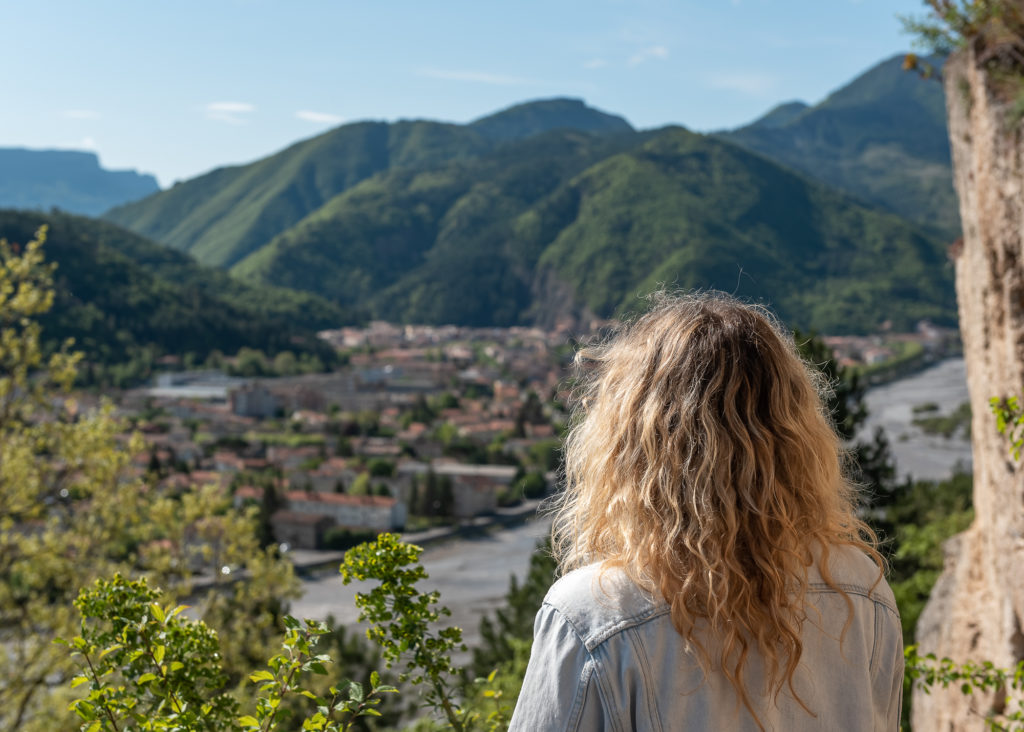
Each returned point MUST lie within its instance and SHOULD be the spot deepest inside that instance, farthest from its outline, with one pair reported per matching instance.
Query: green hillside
(569, 219)
(229, 213)
(693, 212)
(118, 293)
(881, 138)
(420, 231)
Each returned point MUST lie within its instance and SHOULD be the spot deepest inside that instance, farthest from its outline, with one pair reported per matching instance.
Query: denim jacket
(607, 657)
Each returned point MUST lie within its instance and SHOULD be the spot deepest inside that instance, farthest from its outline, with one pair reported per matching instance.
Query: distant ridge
(882, 137)
(781, 115)
(71, 180)
(543, 115)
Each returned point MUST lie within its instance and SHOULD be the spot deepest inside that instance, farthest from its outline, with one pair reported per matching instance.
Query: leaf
(158, 654)
(374, 679)
(112, 648)
(355, 691)
(158, 613)
(145, 679)
(258, 676)
(248, 721)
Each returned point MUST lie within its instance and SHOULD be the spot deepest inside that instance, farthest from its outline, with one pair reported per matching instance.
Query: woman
(716, 575)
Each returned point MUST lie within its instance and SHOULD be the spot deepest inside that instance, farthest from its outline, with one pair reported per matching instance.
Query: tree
(69, 512)
(984, 83)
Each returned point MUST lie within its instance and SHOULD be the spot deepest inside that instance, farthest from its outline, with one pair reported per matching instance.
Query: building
(357, 512)
(254, 400)
(300, 530)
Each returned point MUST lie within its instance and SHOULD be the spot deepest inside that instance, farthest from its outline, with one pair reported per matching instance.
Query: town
(418, 427)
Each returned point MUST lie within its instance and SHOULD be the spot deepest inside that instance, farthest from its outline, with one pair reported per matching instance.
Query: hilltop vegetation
(117, 294)
(882, 138)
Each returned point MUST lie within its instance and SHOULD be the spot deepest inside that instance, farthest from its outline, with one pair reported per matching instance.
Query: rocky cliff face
(977, 608)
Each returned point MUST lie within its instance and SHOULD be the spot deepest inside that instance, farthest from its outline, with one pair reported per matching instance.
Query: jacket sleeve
(560, 693)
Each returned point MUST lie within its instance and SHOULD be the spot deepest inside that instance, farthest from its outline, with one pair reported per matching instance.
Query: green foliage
(340, 538)
(146, 667)
(503, 635)
(69, 512)
(401, 616)
(954, 23)
(927, 672)
(1010, 421)
(149, 667)
(920, 518)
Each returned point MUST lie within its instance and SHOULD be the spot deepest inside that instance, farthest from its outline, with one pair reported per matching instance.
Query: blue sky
(176, 89)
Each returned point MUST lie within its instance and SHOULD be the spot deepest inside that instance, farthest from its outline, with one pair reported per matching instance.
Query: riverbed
(891, 406)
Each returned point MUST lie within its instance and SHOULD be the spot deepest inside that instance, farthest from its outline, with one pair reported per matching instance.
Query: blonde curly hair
(702, 463)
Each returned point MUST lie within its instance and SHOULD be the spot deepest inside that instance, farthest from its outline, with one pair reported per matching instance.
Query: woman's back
(607, 657)
(704, 477)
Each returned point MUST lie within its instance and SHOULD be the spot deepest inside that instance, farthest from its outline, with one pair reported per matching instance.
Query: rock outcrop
(976, 611)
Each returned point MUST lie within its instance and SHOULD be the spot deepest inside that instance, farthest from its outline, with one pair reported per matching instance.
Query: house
(300, 530)
(363, 512)
(254, 400)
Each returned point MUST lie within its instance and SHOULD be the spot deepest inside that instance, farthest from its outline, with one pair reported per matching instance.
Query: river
(472, 574)
(890, 407)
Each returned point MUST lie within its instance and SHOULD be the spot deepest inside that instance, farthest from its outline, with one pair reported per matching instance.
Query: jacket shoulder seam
(603, 633)
(853, 589)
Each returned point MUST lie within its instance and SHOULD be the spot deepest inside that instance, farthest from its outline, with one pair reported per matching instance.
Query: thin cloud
(233, 113)
(320, 118)
(87, 143)
(595, 63)
(659, 53)
(479, 77)
(81, 114)
(751, 83)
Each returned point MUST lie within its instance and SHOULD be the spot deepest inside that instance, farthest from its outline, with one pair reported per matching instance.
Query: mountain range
(881, 137)
(836, 214)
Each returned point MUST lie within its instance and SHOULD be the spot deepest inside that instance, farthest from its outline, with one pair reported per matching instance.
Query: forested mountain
(229, 213)
(118, 293)
(70, 180)
(882, 138)
(552, 207)
(504, 239)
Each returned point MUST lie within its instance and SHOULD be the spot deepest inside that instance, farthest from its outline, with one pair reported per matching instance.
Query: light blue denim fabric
(607, 657)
